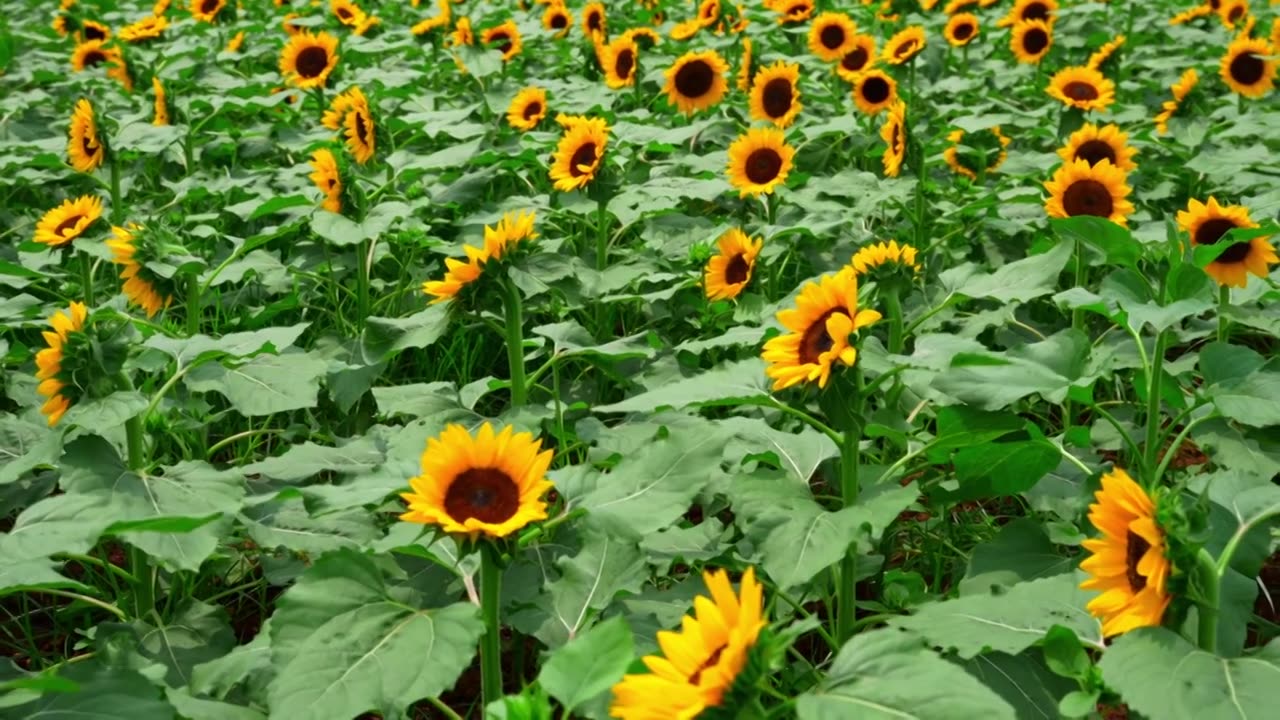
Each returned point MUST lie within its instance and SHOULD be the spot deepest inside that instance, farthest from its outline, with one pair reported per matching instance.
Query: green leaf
(570, 338)
(1253, 400)
(194, 708)
(1023, 681)
(1116, 243)
(1021, 551)
(265, 384)
(24, 446)
(1161, 675)
(105, 694)
(300, 462)
(1010, 621)
(588, 583)
(887, 675)
(799, 454)
(589, 664)
(729, 384)
(108, 412)
(962, 426)
(1021, 280)
(1064, 653)
(1000, 469)
(241, 344)
(385, 336)
(1224, 363)
(196, 634)
(250, 662)
(285, 522)
(992, 381)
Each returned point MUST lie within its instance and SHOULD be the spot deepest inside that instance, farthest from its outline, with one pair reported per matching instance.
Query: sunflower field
(641, 359)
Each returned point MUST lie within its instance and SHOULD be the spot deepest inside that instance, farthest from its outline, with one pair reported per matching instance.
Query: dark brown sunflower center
(1215, 4)
(1135, 547)
(532, 110)
(92, 32)
(1035, 41)
(855, 59)
(875, 90)
(93, 58)
(503, 40)
(1095, 151)
(763, 165)
(1247, 68)
(1211, 232)
(486, 494)
(963, 31)
(1235, 13)
(624, 63)
(312, 61)
(906, 48)
(343, 13)
(896, 146)
(815, 340)
(736, 270)
(595, 22)
(362, 128)
(711, 660)
(1080, 90)
(89, 144)
(1036, 11)
(68, 224)
(208, 6)
(584, 156)
(558, 22)
(695, 78)
(831, 36)
(1087, 197)
(777, 97)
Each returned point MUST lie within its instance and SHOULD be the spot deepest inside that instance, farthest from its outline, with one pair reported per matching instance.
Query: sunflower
(1181, 89)
(437, 21)
(528, 108)
(696, 81)
(1232, 12)
(462, 34)
(235, 43)
(66, 339)
(1246, 69)
(1208, 223)
(84, 146)
(956, 6)
(93, 30)
(885, 257)
(505, 38)
(490, 484)
(759, 161)
(458, 275)
(860, 58)
(831, 35)
(826, 313)
(91, 54)
(1078, 188)
(643, 36)
(68, 221)
(961, 29)
(957, 161)
(162, 6)
(514, 228)
(206, 10)
(684, 30)
(1082, 87)
(347, 12)
(729, 270)
(139, 286)
(594, 21)
(791, 12)
(894, 134)
(701, 662)
(556, 18)
(1024, 10)
(619, 59)
(1187, 16)
(308, 58)
(148, 28)
(874, 91)
(1127, 563)
(774, 95)
(745, 71)
(161, 116)
(1094, 144)
(1104, 53)
(904, 45)
(361, 136)
(325, 175)
(579, 154)
(1031, 41)
(708, 12)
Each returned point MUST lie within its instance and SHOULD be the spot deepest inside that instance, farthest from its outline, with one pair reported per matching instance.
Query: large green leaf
(196, 634)
(726, 385)
(1161, 675)
(66, 523)
(589, 664)
(1021, 280)
(587, 584)
(999, 469)
(1021, 551)
(799, 453)
(265, 384)
(25, 446)
(241, 344)
(1023, 681)
(889, 675)
(993, 381)
(105, 693)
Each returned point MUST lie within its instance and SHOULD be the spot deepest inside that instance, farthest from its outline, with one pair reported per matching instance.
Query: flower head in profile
(580, 153)
(325, 175)
(1082, 87)
(68, 221)
(132, 247)
(147, 28)
(1208, 224)
(904, 45)
(825, 315)
(349, 113)
(1181, 89)
(527, 108)
(886, 258)
(729, 270)
(701, 662)
(58, 362)
(437, 21)
(1104, 53)
(894, 134)
(84, 146)
(500, 242)
(161, 105)
(488, 483)
(1127, 563)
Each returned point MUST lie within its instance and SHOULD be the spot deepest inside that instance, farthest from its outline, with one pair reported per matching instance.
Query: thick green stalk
(920, 176)
(1151, 448)
(117, 202)
(850, 452)
(143, 590)
(491, 643)
(193, 305)
(1077, 323)
(515, 344)
(893, 307)
(86, 278)
(362, 281)
(1207, 625)
(1224, 302)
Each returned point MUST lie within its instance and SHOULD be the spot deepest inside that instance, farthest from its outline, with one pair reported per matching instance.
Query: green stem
(893, 307)
(117, 203)
(602, 261)
(1224, 302)
(365, 250)
(1151, 448)
(144, 588)
(1207, 625)
(515, 345)
(850, 451)
(491, 643)
(86, 277)
(1077, 323)
(87, 600)
(193, 305)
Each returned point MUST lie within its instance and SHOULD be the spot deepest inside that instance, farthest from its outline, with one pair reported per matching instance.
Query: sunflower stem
(850, 451)
(491, 643)
(193, 305)
(893, 307)
(602, 257)
(86, 277)
(117, 203)
(363, 260)
(143, 588)
(1151, 448)
(515, 344)
(1207, 606)
(1224, 302)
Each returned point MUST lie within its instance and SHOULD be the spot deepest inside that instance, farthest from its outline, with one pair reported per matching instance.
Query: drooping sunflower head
(487, 484)
(235, 43)
(793, 12)
(887, 262)
(686, 29)
(308, 59)
(1082, 87)
(68, 221)
(1232, 12)
(501, 241)
(207, 10)
(969, 154)
(904, 45)
(825, 315)
(1208, 224)
(620, 59)
(84, 146)
(557, 20)
(132, 247)
(696, 81)
(594, 20)
(91, 54)
(1078, 188)
(326, 176)
(360, 132)
(831, 35)
(1190, 14)
(961, 29)
(1246, 69)
(874, 91)
(1106, 52)
(701, 662)
(1023, 10)
(93, 30)
(462, 34)
(729, 270)
(504, 38)
(347, 12)
(148, 28)
(1127, 562)
(1031, 40)
(1181, 89)
(775, 97)
(1095, 144)
(644, 37)
(860, 57)
(579, 154)
(58, 364)
(527, 108)
(437, 21)
(759, 161)
(894, 134)
(745, 68)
